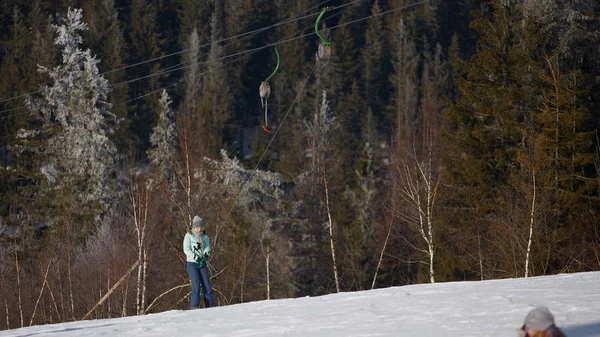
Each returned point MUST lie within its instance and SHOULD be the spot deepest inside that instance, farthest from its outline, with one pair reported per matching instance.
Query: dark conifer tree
(105, 37)
(297, 59)
(373, 56)
(144, 42)
(216, 93)
(29, 46)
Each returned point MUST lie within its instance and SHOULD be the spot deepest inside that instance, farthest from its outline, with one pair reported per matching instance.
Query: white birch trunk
(430, 228)
(412, 177)
(387, 237)
(108, 302)
(144, 249)
(188, 187)
(61, 316)
(7, 312)
(18, 283)
(335, 271)
(124, 307)
(144, 278)
(480, 257)
(139, 284)
(243, 279)
(72, 302)
(110, 291)
(40, 294)
(5, 301)
(268, 272)
(140, 265)
(139, 195)
(531, 223)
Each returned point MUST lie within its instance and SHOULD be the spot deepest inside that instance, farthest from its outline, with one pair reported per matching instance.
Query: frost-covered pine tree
(261, 195)
(164, 142)
(80, 158)
(252, 186)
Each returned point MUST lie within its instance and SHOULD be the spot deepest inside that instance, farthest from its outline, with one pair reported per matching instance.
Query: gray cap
(197, 222)
(539, 318)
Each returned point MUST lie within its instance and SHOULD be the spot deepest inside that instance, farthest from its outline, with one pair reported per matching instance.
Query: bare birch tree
(418, 170)
(139, 197)
(318, 132)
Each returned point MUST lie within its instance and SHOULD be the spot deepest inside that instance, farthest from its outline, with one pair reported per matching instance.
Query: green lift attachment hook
(324, 51)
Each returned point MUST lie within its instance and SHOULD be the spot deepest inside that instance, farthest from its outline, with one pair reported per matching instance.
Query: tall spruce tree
(373, 56)
(190, 14)
(191, 116)
(497, 89)
(163, 153)
(404, 79)
(496, 151)
(145, 42)
(215, 96)
(297, 61)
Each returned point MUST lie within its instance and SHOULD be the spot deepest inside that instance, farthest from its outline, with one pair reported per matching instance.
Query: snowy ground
(456, 309)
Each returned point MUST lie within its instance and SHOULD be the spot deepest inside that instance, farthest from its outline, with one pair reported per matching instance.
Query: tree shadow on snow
(586, 330)
(42, 333)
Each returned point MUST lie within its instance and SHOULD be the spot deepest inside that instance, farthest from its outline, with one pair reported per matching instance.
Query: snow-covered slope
(455, 309)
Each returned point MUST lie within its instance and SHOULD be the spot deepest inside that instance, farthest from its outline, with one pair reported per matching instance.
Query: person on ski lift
(539, 322)
(196, 247)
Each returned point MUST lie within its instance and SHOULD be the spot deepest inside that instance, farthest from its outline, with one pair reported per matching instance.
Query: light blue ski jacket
(193, 251)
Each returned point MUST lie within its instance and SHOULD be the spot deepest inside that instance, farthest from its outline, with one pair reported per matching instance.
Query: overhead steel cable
(269, 144)
(162, 72)
(256, 31)
(185, 65)
(253, 50)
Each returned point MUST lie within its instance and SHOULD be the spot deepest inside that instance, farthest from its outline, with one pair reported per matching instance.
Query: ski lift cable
(246, 52)
(292, 105)
(249, 51)
(165, 71)
(254, 32)
(269, 144)
(251, 33)
(280, 42)
(129, 100)
(258, 31)
(185, 65)
(263, 29)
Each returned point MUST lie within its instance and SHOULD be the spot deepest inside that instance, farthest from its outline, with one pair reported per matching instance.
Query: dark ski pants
(199, 277)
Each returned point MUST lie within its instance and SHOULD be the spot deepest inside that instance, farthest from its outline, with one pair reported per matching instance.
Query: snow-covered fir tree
(164, 142)
(253, 186)
(81, 159)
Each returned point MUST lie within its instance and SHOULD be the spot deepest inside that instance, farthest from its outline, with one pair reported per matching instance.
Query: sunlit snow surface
(456, 309)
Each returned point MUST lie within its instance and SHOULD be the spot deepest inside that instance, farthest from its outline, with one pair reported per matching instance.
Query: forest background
(443, 140)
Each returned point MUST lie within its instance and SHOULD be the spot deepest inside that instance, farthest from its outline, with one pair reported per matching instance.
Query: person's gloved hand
(202, 260)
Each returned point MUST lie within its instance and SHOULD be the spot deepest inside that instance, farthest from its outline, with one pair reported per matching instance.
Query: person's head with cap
(197, 224)
(538, 322)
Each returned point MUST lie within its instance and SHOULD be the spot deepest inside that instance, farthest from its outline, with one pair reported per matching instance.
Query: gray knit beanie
(197, 222)
(539, 319)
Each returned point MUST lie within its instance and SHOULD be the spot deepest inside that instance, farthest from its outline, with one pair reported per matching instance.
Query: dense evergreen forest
(441, 141)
